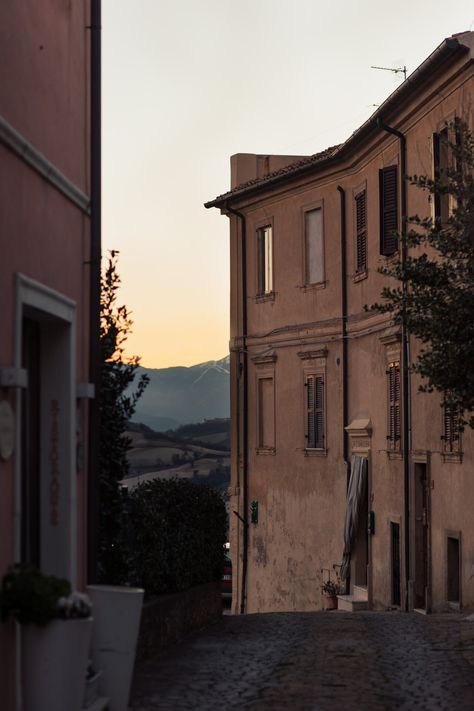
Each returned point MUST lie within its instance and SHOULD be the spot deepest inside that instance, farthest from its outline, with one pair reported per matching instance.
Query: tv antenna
(396, 70)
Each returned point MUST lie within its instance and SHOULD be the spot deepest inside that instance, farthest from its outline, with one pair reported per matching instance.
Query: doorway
(45, 470)
(361, 545)
(396, 569)
(422, 520)
(30, 444)
(454, 570)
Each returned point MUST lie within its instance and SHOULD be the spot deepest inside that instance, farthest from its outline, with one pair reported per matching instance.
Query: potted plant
(117, 611)
(331, 589)
(56, 627)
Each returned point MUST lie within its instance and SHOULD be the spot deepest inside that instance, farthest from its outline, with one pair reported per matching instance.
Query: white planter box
(117, 613)
(54, 664)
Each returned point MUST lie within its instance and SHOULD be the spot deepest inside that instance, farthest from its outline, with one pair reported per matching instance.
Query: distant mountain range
(178, 396)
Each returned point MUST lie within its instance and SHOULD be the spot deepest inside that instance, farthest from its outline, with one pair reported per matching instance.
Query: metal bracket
(13, 378)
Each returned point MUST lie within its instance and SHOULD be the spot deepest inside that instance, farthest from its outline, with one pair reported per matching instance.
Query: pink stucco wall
(44, 93)
(43, 234)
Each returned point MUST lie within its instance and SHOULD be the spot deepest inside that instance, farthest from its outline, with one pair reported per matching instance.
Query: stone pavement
(321, 661)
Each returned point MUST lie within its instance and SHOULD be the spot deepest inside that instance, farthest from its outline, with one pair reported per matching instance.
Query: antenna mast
(396, 71)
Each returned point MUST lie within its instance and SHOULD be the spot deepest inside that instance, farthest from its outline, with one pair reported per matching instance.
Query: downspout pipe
(242, 407)
(94, 315)
(405, 355)
(345, 408)
(344, 364)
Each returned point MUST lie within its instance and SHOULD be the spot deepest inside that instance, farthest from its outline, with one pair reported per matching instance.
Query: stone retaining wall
(168, 618)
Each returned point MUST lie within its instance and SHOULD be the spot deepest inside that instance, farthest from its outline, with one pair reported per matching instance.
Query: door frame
(57, 315)
(420, 459)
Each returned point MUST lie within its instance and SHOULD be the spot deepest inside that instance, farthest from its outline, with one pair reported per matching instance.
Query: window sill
(454, 457)
(260, 298)
(394, 454)
(360, 276)
(388, 258)
(266, 450)
(313, 287)
(315, 452)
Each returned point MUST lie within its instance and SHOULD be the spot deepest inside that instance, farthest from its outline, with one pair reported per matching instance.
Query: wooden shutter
(451, 429)
(261, 261)
(361, 232)
(265, 260)
(436, 174)
(441, 164)
(309, 384)
(319, 412)
(388, 210)
(315, 418)
(394, 405)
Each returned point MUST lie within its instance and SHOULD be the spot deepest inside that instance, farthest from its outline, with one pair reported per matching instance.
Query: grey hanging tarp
(355, 496)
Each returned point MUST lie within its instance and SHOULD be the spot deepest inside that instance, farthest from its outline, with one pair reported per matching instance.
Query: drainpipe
(243, 407)
(405, 356)
(345, 436)
(94, 325)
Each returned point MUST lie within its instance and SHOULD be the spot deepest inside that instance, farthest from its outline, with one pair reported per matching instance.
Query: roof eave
(448, 50)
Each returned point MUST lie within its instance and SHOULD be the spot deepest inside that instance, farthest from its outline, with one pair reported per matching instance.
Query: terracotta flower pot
(330, 602)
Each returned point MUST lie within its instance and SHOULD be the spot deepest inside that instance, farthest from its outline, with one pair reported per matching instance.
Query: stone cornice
(36, 160)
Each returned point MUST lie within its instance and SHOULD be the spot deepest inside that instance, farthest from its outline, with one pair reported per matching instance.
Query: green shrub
(30, 596)
(176, 533)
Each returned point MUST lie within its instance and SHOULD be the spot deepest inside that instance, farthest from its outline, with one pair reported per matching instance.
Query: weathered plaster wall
(302, 498)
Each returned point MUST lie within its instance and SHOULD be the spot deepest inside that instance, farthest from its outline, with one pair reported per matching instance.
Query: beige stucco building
(317, 381)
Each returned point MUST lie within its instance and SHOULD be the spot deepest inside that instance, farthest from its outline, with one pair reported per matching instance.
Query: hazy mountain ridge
(197, 451)
(180, 395)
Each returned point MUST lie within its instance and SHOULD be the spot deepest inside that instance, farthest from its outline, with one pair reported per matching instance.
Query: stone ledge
(168, 618)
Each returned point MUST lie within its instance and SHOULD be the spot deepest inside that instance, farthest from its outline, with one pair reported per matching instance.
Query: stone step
(360, 592)
(100, 704)
(349, 603)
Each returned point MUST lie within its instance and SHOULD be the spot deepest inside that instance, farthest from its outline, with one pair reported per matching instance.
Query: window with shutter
(388, 178)
(314, 247)
(265, 260)
(361, 232)
(266, 414)
(440, 166)
(315, 416)
(451, 429)
(394, 422)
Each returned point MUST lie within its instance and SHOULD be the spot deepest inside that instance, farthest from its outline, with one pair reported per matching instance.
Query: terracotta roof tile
(308, 160)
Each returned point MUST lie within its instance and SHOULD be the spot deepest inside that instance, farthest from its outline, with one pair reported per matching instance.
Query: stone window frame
(356, 192)
(264, 369)
(451, 441)
(391, 162)
(314, 364)
(307, 285)
(260, 294)
(392, 342)
(442, 127)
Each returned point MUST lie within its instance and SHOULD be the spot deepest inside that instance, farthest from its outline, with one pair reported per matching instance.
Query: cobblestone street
(318, 661)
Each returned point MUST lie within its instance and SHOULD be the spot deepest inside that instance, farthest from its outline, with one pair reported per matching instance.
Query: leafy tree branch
(437, 305)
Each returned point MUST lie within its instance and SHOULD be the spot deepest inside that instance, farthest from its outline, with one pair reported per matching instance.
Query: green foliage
(30, 596)
(116, 408)
(176, 534)
(435, 298)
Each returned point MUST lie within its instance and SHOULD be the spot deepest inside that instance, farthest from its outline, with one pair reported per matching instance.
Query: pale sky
(188, 83)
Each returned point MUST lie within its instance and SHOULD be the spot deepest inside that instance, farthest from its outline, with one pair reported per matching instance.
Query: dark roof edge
(449, 49)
